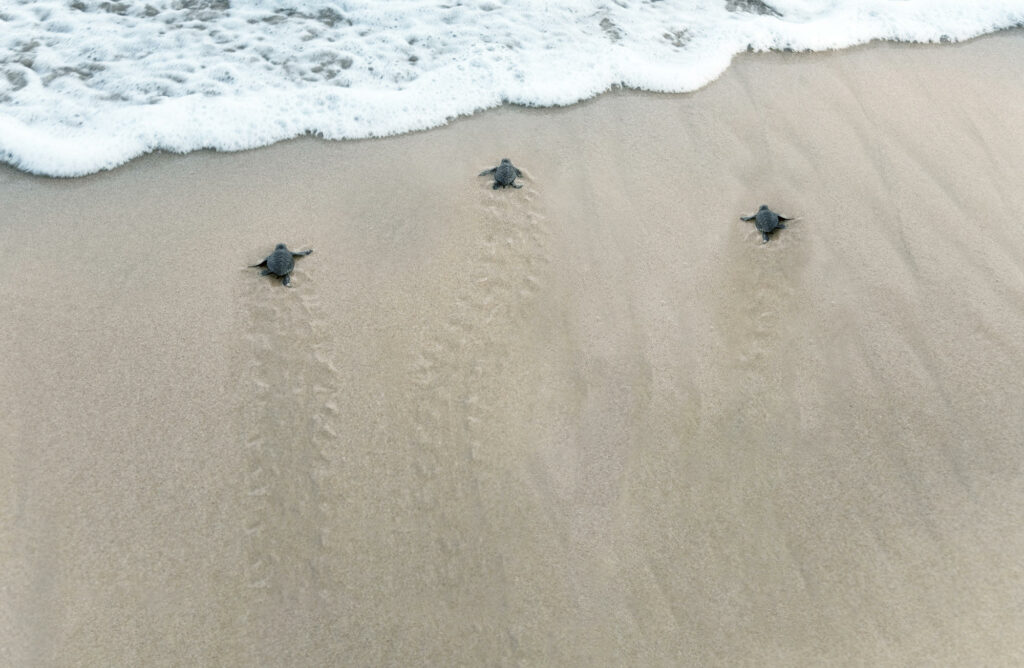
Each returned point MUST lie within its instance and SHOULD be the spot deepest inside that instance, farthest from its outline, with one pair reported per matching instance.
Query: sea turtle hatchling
(766, 221)
(281, 262)
(504, 174)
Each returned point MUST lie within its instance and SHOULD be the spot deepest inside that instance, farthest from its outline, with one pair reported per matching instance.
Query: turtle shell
(505, 174)
(766, 220)
(281, 261)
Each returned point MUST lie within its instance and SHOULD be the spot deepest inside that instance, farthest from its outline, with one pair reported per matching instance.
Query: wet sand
(590, 422)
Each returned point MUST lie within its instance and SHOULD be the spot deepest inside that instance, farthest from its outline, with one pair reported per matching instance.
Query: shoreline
(614, 90)
(593, 421)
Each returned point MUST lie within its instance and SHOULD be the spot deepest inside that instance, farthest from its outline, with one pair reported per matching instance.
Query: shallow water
(88, 85)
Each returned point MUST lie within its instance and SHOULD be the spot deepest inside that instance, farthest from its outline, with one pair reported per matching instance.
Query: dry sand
(589, 422)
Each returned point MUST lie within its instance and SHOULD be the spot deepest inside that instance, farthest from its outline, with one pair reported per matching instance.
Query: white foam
(90, 84)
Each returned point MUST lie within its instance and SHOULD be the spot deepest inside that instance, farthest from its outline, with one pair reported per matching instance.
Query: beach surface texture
(590, 422)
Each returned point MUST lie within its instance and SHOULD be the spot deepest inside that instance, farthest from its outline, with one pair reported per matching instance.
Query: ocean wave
(89, 84)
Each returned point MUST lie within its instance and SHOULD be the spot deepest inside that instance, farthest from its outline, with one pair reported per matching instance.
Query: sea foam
(87, 85)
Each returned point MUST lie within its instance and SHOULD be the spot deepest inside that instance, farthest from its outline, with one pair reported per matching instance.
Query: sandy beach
(591, 422)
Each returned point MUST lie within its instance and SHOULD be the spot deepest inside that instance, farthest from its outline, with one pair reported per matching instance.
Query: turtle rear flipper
(764, 235)
(287, 280)
(265, 272)
(781, 226)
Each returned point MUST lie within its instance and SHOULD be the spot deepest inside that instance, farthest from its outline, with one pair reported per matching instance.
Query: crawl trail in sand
(290, 417)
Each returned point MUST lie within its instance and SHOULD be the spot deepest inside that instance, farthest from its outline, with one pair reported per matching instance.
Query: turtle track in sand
(290, 428)
(458, 361)
(498, 283)
(753, 324)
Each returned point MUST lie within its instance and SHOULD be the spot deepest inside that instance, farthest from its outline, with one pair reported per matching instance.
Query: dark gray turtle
(766, 221)
(281, 262)
(504, 174)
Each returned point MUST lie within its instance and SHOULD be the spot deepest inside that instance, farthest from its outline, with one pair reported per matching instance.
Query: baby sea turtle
(504, 174)
(766, 221)
(281, 262)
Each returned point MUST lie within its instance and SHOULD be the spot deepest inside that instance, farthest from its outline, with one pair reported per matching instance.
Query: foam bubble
(90, 84)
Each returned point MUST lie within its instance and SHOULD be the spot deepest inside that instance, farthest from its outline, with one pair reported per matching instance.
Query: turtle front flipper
(301, 253)
(518, 173)
(488, 171)
(261, 264)
(747, 219)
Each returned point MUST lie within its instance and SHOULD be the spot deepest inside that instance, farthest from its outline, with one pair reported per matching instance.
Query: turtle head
(506, 161)
(281, 247)
(764, 207)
